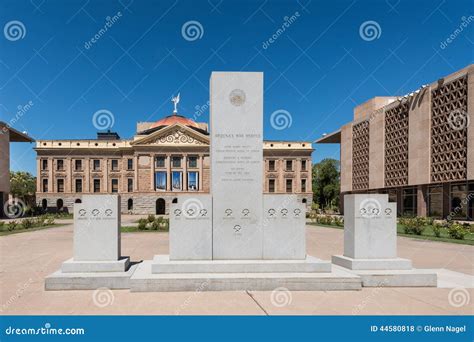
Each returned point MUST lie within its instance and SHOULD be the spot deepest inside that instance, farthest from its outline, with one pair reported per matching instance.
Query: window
(78, 165)
(193, 181)
(303, 185)
(176, 181)
(160, 180)
(303, 165)
(271, 185)
(271, 165)
(60, 185)
(60, 164)
(130, 204)
(289, 185)
(392, 195)
(289, 165)
(130, 184)
(78, 185)
(192, 161)
(44, 164)
(96, 165)
(176, 162)
(129, 164)
(45, 185)
(114, 185)
(435, 201)
(470, 205)
(160, 161)
(115, 165)
(409, 202)
(459, 201)
(96, 185)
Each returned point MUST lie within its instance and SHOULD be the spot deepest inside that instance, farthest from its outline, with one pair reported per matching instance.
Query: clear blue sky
(318, 69)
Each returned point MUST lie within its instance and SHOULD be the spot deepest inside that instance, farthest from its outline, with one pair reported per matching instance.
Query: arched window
(59, 204)
(130, 204)
(175, 200)
(160, 206)
(78, 201)
(304, 200)
(44, 204)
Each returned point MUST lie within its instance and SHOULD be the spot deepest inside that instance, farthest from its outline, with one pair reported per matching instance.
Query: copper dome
(174, 119)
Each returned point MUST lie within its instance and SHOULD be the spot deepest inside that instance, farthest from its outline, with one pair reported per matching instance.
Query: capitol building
(164, 158)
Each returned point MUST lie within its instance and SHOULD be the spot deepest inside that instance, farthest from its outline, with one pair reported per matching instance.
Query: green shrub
(456, 231)
(49, 221)
(415, 225)
(2, 225)
(142, 223)
(39, 221)
(150, 218)
(339, 221)
(155, 225)
(437, 229)
(429, 221)
(27, 223)
(12, 225)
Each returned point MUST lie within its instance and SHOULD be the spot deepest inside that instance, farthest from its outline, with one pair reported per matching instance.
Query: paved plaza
(26, 259)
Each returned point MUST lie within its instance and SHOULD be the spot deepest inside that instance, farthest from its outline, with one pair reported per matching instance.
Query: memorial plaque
(97, 228)
(237, 164)
(371, 227)
(283, 227)
(191, 228)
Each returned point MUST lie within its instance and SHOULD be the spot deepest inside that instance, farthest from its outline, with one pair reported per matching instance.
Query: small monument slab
(284, 227)
(191, 228)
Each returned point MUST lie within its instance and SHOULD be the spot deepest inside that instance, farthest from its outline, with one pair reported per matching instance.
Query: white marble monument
(370, 244)
(97, 257)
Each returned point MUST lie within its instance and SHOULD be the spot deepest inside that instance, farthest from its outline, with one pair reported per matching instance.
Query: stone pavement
(26, 258)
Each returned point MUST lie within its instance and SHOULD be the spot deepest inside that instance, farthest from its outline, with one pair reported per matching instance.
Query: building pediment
(174, 135)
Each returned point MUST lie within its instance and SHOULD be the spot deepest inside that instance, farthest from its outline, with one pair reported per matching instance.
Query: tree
(326, 183)
(22, 185)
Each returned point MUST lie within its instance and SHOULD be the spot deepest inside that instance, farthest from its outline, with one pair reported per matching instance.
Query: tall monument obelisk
(236, 117)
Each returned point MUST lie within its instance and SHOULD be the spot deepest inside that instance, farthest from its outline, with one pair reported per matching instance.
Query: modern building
(164, 158)
(418, 148)
(7, 135)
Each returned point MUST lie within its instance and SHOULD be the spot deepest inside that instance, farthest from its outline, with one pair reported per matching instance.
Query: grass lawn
(128, 229)
(427, 234)
(5, 231)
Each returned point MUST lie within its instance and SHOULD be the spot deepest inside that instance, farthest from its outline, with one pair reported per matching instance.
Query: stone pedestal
(370, 244)
(96, 261)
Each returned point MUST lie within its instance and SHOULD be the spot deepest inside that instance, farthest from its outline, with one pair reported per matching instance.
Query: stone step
(143, 280)
(162, 265)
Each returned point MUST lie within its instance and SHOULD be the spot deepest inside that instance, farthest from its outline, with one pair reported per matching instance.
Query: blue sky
(317, 70)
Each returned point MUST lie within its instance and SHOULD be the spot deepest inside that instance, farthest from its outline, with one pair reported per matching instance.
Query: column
(68, 180)
(201, 168)
(135, 178)
(87, 176)
(38, 176)
(185, 172)
(51, 185)
(168, 172)
(105, 174)
(297, 168)
(152, 168)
